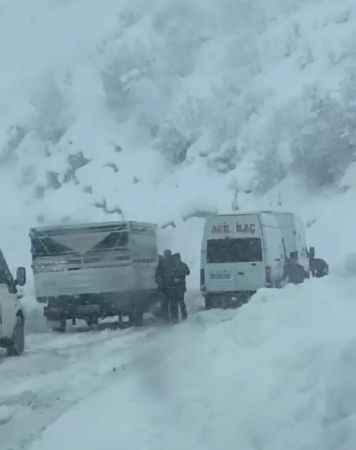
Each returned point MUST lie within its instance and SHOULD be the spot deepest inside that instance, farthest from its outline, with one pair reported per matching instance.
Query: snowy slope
(114, 109)
(276, 374)
(162, 112)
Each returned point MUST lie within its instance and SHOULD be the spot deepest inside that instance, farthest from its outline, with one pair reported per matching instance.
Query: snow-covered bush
(270, 170)
(172, 143)
(325, 145)
(13, 138)
(52, 115)
(182, 29)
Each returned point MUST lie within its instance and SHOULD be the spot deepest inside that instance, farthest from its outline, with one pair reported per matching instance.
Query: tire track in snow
(59, 370)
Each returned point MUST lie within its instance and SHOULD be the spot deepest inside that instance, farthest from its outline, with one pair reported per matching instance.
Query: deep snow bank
(276, 374)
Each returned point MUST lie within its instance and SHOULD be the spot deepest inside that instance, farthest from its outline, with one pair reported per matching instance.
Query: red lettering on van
(221, 228)
(247, 228)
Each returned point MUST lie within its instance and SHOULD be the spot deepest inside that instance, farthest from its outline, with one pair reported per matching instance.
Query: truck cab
(12, 316)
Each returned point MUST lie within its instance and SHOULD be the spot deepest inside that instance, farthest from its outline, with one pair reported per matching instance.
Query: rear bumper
(69, 311)
(95, 280)
(227, 299)
(82, 307)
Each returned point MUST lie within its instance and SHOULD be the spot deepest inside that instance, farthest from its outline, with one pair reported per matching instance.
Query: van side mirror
(312, 252)
(21, 276)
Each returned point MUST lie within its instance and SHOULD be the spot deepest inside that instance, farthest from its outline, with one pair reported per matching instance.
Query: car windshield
(3, 279)
(234, 250)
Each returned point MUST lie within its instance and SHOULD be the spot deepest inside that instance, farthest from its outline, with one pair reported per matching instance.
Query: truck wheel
(92, 321)
(136, 319)
(58, 326)
(17, 345)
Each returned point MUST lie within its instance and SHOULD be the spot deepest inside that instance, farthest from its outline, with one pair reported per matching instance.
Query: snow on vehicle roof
(91, 226)
(244, 213)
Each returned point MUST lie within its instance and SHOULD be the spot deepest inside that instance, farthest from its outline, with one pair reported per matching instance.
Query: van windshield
(234, 250)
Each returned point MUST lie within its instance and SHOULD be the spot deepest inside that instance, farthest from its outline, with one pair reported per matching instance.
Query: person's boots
(183, 310)
(164, 310)
(174, 312)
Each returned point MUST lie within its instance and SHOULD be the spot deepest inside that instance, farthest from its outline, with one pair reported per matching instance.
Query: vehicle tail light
(268, 276)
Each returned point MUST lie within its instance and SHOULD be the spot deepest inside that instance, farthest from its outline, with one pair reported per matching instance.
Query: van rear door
(236, 264)
(234, 253)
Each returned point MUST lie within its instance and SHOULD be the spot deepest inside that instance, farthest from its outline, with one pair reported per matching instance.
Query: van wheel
(17, 345)
(208, 302)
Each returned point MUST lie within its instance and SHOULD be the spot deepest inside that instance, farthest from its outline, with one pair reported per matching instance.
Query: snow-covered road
(276, 374)
(58, 371)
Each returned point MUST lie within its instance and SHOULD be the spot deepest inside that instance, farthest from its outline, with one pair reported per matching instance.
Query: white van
(244, 252)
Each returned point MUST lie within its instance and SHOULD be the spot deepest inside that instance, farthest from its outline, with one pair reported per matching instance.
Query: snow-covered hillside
(165, 111)
(158, 112)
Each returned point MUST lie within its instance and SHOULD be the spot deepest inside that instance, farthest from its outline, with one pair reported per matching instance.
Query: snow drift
(276, 374)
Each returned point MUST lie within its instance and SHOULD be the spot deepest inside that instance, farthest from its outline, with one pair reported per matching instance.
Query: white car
(12, 316)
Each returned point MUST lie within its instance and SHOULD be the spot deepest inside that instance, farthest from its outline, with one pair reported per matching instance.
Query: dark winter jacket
(319, 268)
(165, 273)
(181, 271)
(294, 272)
(159, 272)
(171, 274)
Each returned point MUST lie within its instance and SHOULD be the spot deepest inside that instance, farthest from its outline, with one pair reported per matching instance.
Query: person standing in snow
(170, 276)
(163, 277)
(159, 282)
(181, 271)
(294, 272)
